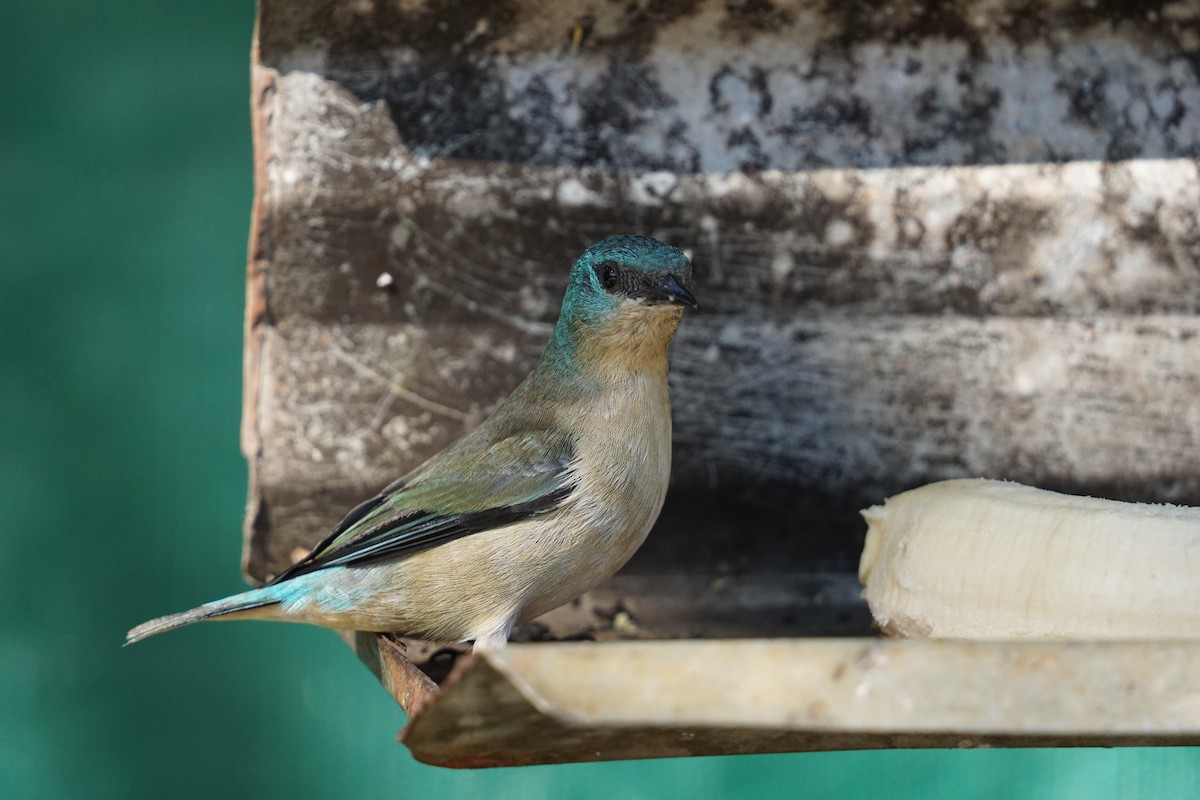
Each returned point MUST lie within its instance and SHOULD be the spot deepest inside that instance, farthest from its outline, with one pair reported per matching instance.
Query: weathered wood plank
(914, 259)
(706, 86)
(352, 203)
(931, 241)
(576, 702)
(829, 406)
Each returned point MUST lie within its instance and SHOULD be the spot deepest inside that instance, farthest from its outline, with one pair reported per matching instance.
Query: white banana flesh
(982, 559)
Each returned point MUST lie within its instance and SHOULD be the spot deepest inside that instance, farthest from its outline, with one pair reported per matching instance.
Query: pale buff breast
(477, 586)
(623, 470)
(623, 463)
(481, 583)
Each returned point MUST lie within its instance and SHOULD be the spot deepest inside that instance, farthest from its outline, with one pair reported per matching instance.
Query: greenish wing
(455, 494)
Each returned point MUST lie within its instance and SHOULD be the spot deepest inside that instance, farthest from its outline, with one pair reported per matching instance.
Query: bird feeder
(930, 241)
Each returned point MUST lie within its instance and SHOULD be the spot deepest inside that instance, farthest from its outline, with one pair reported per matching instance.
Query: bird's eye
(610, 274)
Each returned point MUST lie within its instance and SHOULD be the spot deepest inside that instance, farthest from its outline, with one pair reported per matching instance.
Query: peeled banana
(983, 559)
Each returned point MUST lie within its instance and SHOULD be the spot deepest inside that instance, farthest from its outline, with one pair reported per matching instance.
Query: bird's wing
(455, 494)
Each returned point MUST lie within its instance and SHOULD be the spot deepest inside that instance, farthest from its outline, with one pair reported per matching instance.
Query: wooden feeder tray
(905, 276)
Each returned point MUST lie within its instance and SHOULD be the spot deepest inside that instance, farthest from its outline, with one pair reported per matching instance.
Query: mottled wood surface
(931, 241)
(928, 245)
(579, 702)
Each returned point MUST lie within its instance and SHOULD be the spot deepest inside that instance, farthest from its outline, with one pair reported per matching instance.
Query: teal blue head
(624, 300)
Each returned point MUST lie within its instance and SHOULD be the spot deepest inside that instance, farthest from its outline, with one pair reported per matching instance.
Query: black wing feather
(414, 531)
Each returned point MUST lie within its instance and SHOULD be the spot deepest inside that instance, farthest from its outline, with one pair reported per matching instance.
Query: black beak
(671, 291)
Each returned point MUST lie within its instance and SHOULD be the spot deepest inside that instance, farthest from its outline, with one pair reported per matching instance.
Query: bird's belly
(481, 583)
(584, 552)
(622, 483)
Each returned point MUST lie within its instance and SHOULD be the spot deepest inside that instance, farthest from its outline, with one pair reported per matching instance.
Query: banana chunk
(983, 559)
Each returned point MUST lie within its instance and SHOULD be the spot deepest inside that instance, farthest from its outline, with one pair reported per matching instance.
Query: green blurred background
(125, 189)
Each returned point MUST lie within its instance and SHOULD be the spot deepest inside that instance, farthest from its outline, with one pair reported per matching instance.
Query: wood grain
(929, 244)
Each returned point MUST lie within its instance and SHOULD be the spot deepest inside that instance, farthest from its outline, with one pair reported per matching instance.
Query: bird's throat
(633, 340)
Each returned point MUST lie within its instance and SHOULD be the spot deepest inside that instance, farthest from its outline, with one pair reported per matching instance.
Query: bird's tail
(254, 603)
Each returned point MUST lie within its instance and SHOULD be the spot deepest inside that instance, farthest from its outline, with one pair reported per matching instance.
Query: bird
(546, 499)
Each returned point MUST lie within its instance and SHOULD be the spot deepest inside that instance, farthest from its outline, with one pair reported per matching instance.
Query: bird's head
(624, 300)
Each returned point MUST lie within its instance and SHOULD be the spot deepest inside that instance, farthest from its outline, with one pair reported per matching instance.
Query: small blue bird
(542, 502)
